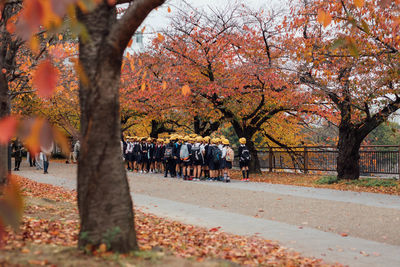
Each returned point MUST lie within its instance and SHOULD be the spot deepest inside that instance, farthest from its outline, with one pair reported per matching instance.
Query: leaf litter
(61, 226)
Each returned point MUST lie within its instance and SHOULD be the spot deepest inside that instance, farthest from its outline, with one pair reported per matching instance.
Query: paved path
(308, 220)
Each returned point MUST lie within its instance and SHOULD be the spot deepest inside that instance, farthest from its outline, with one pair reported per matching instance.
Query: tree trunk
(254, 166)
(4, 111)
(348, 160)
(104, 201)
(204, 128)
(155, 129)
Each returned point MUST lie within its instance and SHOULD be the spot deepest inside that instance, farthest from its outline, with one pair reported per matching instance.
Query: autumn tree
(348, 54)
(227, 61)
(104, 200)
(17, 60)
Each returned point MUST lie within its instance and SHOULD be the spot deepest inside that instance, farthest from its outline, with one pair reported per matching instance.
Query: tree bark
(348, 160)
(4, 111)
(254, 166)
(104, 200)
(204, 128)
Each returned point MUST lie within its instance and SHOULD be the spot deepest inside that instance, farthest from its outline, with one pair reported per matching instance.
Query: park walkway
(358, 229)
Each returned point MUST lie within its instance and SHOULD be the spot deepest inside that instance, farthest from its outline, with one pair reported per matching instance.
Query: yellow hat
(225, 141)
(217, 140)
(167, 141)
(199, 139)
(242, 140)
(213, 141)
(187, 138)
(206, 139)
(193, 135)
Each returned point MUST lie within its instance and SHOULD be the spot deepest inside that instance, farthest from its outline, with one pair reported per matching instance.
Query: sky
(158, 19)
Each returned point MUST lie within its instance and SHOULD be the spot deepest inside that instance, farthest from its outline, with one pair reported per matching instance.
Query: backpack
(229, 154)
(216, 154)
(184, 153)
(168, 152)
(196, 153)
(245, 155)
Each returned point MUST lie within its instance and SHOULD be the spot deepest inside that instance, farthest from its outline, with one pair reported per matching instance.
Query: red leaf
(45, 78)
(7, 129)
(215, 229)
(33, 14)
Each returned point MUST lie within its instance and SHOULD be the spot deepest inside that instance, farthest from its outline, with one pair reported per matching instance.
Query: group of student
(188, 157)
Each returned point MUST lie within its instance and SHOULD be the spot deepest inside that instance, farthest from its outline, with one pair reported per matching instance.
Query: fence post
(305, 160)
(398, 162)
(270, 159)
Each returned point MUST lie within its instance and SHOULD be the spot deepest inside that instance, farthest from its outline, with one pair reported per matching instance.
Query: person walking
(17, 149)
(77, 149)
(45, 154)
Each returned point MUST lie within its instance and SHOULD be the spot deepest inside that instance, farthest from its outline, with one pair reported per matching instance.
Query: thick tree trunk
(348, 160)
(255, 166)
(104, 201)
(204, 128)
(4, 111)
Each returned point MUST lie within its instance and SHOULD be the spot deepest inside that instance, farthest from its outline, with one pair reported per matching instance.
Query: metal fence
(373, 159)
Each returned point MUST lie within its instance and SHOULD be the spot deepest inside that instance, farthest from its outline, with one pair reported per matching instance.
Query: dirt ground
(33, 254)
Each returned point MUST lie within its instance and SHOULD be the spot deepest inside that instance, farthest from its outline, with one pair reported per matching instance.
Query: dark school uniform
(137, 152)
(176, 153)
(197, 156)
(150, 152)
(213, 163)
(206, 156)
(144, 155)
(169, 161)
(159, 152)
(243, 162)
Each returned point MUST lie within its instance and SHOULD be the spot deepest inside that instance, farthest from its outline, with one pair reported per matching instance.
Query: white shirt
(224, 149)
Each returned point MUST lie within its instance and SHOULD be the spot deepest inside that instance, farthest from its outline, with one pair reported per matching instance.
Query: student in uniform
(150, 155)
(213, 152)
(197, 158)
(158, 153)
(220, 174)
(192, 141)
(129, 154)
(143, 155)
(228, 156)
(206, 169)
(185, 157)
(136, 153)
(169, 159)
(178, 163)
(244, 159)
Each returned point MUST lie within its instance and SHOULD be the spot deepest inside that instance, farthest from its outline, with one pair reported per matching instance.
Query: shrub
(371, 182)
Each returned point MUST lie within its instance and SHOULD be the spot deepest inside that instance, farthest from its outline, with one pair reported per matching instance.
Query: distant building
(137, 42)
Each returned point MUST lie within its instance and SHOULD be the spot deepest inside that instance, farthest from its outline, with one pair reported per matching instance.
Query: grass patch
(329, 179)
(371, 182)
